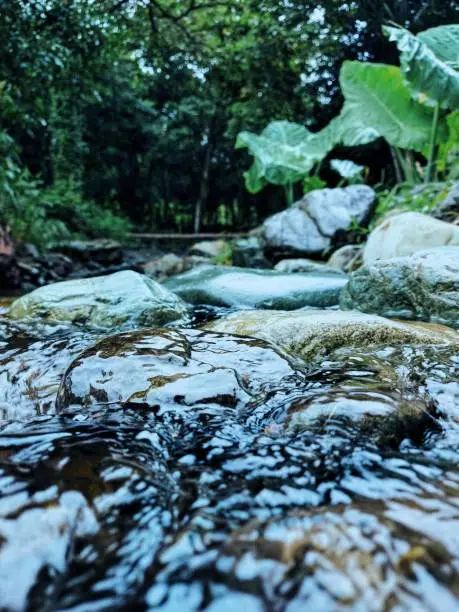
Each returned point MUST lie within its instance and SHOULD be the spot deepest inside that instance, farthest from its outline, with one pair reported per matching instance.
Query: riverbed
(254, 479)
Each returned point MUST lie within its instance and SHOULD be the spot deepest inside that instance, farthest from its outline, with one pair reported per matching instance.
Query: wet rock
(248, 253)
(175, 372)
(247, 482)
(314, 333)
(121, 299)
(32, 364)
(315, 223)
(228, 286)
(405, 234)
(347, 258)
(82, 516)
(101, 251)
(422, 286)
(339, 559)
(209, 248)
(293, 266)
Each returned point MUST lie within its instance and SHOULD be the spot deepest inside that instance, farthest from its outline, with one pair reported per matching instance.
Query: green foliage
(64, 203)
(284, 153)
(225, 257)
(429, 62)
(404, 197)
(448, 158)
(310, 183)
(377, 98)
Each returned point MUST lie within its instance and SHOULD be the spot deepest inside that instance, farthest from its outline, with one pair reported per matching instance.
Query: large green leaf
(444, 42)
(379, 104)
(430, 72)
(284, 153)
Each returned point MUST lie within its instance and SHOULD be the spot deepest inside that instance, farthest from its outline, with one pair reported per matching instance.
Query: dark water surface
(183, 470)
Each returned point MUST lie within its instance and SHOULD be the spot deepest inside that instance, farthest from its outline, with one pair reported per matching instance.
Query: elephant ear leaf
(379, 104)
(444, 42)
(429, 63)
(284, 153)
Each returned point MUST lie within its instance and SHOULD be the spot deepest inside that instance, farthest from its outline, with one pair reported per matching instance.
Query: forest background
(122, 115)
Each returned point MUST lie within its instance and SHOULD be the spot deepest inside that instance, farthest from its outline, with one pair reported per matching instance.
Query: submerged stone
(314, 333)
(116, 300)
(422, 286)
(32, 363)
(264, 289)
(177, 372)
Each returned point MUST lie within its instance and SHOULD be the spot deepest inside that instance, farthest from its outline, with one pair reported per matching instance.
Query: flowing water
(188, 470)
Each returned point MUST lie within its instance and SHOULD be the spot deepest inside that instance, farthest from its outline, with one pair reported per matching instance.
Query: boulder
(243, 287)
(314, 333)
(121, 299)
(101, 251)
(182, 372)
(346, 258)
(407, 233)
(248, 253)
(422, 286)
(317, 222)
(209, 248)
(294, 266)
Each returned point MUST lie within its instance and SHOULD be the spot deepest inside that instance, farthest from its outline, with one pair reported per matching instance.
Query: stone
(31, 373)
(209, 248)
(101, 251)
(228, 286)
(422, 286)
(346, 258)
(407, 233)
(248, 253)
(315, 333)
(315, 223)
(120, 299)
(294, 266)
(448, 209)
(170, 264)
(164, 266)
(174, 371)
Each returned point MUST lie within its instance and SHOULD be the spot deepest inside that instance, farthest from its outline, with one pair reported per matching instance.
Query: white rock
(407, 233)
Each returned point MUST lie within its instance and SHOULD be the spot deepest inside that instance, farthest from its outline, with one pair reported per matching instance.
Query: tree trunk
(204, 187)
(9, 272)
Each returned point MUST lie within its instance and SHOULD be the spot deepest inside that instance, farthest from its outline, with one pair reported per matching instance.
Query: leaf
(430, 73)
(284, 153)
(254, 181)
(444, 42)
(379, 104)
(448, 154)
(346, 168)
(345, 130)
